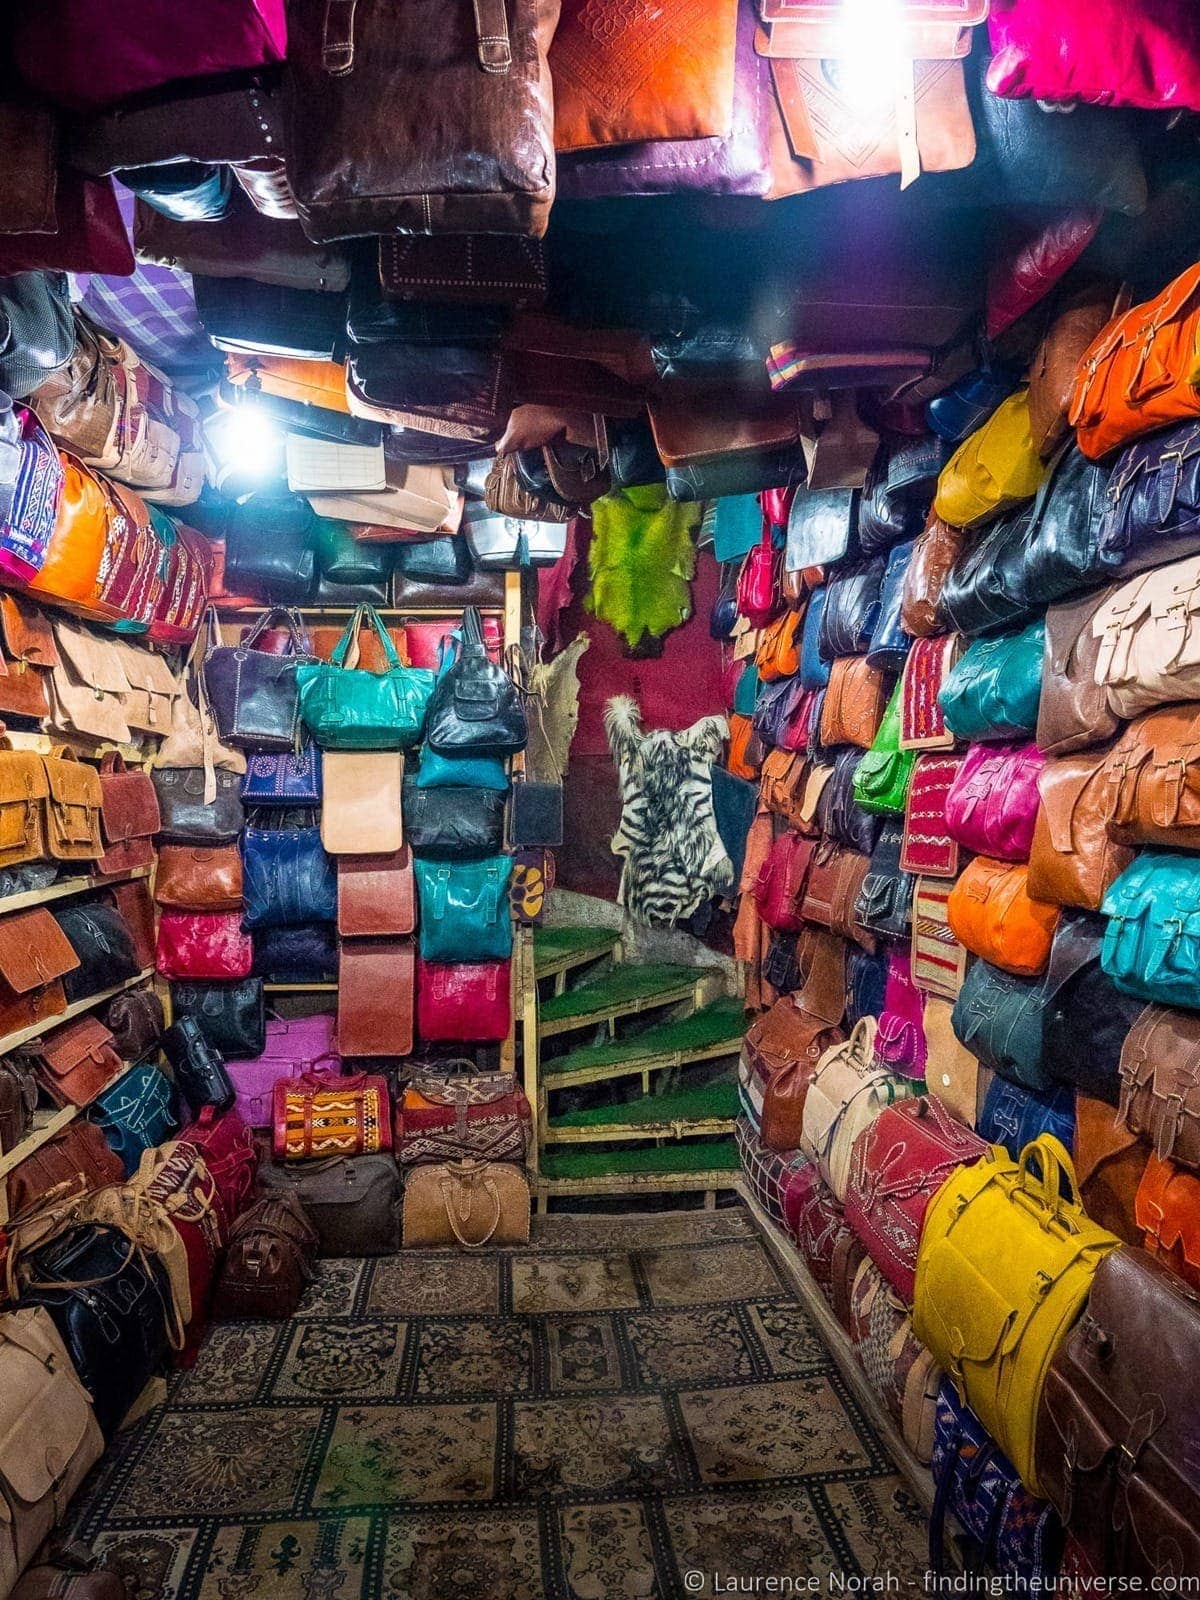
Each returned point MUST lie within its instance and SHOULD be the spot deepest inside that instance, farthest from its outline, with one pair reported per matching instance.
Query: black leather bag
(372, 318)
(353, 1205)
(1085, 1016)
(231, 1016)
(889, 644)
(1152, 512)
(475, 706)
(343, 595)
(780, 967)
(186, 818)
(852, 600)
(885, 900)
(454, 821)
(296, 955)
(887, 514)
(740, 472)
(97, 933)
(822, 527)
(200, 1074)
(866, 982)
(253, 694)
(243, 315)
(115, 1327)
(484, 588)
(771, 710)
(345, 562)
(441, 561)
(837, 815)
(535, 814)
(462, 384)
(632, 457)
(998, 1018)
(271, 549)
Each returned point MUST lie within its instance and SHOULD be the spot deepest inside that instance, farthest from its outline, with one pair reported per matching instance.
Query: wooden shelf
(66, 887)
(300, 988)
(14, 1041)
(92, 749)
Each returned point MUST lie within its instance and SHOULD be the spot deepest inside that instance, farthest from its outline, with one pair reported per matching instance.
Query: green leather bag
(341, 558)
(882, 777)
(345, 709)
(464, 909)
(992, 691)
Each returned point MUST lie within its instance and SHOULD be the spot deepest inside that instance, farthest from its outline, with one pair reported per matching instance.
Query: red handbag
(425, 638)
(461, 1113)
(129, 816)
(88, 236)
(758, 593)
(779, 888)
(777, 505)
(898, 1164)
(203, 944)
(189, 581)
(321, 1114)
(463, 1000)
(230, 1154)
(1031, 261)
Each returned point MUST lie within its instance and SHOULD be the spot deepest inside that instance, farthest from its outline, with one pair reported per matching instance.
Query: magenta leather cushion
(85, 54)
(1143, 53)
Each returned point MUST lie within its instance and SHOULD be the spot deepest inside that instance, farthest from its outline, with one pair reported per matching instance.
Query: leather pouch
(376, 896)
(76, 1062)
(199, 878)
(375, 997)
(454, 822)
(361, 812)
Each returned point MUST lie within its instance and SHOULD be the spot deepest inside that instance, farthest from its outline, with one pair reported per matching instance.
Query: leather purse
(208, 945)
(905, 1376)
(129, 817)
(375, 997)
(814, 670)
(1137, 374)
(890, 512)
(187, 818)
(1078, 321)
(253, 693)
(954, 1076)
(821, 527)
(376, 895)
(992, 691)
(269, 1262)
(290, 1048)
(77, 1160)
(453, 822)
(851, 609)
(230, 1015)
(900, 1037)
(199, 1069)
(251, 318)
(1073, 710)
(1153, 500)
(998, 1017)
(288, 880)
(1160, 1083)
(352, 1202)
(882, 777)
(346, 709)
(898, 1164)
(778, 654)
(1085, 1018)
(76, 1062)
(831, 892)
(464, 909)
(276, 779)
(461, 1114)
(109, 946)
(975, 1307)
(341, 71)
(855, 702)
(469, 1204)
(28, 651)
(846, 1093)
(1165, 1210)
(296, 955)
(240, 244)
(199, 878)
(1073, 860)
(995, 469)
(993, 915)
(136, 1113)
(935, 551)
(1150, 943)
(992, 805)
(1145, 633)
(463, 1001)
(884, 904)
(779, 888)
(1061, 58)
(475, 707)
(321, 1115)
(783, 1047)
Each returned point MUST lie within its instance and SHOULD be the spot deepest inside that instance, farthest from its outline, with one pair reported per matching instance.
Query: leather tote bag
(476, 707)
(993, 915)
(202, 944)
(992, 691)
(348, 709)
(846, 1094)
(467, 1204)
(231, 1016)
(459, 1002)
(993, 802)
(187, 817)
(1152, 937)
(427, 176)
(253, 693)
(288, 880)
(464, 912)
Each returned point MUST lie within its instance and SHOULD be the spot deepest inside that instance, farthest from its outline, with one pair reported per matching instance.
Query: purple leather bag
(294, 1047)
(738, 164)
(900, 1037)
(992, 804)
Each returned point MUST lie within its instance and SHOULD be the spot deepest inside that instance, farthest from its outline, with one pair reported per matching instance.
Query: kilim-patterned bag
(922, 725)
(928, 849)
(771, 1177)
(814, 1218)
(898, 1367)
(322, 1115)
(939, 962)
(462, 1114)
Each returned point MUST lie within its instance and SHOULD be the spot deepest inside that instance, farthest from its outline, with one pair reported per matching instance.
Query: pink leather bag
(993, 802)
(1142, 53)
(900, 1036)
(758, 594)
(294, 1048)
(203, 944)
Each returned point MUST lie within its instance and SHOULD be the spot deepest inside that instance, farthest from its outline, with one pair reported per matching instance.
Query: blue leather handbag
(287, 879)
(866, 980)
(993, 689)
(814, 671)
(890, 644)
(279, 778)
(967, 404)
(998, 1018)
(1152, 505)
(1013, 1116)
(135, 1114)
(464, 909)
(296, 955)
(1151, 943)
(460, 772)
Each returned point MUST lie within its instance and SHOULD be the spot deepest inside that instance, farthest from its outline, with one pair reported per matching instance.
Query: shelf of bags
(300, 988)
(14, 1041)
(836, 1340)
(65, 888)
(42, 743)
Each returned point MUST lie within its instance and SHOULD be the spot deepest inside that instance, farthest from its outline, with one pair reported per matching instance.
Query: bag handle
(297, 632)
(349, 639)
(493, 45)
(464, 1177)
(1050, 1154)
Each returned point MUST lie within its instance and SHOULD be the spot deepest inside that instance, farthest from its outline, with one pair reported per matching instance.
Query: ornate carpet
(629, 1401)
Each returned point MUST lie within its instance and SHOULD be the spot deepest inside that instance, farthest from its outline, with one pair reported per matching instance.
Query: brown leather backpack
(272, 1248)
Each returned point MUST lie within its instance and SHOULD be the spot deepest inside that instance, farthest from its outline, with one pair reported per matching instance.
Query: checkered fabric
(769, 1174)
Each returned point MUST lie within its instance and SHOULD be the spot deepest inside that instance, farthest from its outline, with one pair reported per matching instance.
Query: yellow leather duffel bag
(1004, 1269)
(994, 469)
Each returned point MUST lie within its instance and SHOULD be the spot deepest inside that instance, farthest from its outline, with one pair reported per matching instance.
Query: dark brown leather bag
(79, 1159)
(1073, 712)
(1115, 1448)
(76, 1062)
(376, 896)
(63, 1583)
(1056, 361)
(855, 700)
(194, 877)
(1109, 1163)
(375, 997)
(269, 1264)
(34, 956)
(1152, 774)
(236, 118)
(136, 1022)
(18, 1098)
(468, 269)
(129, 817)
(821, 959)
(242, 244)
(28, 137)
(504, 494)
(1072, 860)
(1160, 1083)
(934, 552)
(835, 880)
(353, 1203)
(365, 160)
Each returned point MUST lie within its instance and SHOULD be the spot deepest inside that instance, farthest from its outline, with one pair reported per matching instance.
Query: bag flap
(147, 671)
(93, 662)
(22, 777)
(27, 632)
(377, 895)
(130, 808)
(33, 950)
(959, 1314)
(73, 783)
(49, 1416)
(84, 1039)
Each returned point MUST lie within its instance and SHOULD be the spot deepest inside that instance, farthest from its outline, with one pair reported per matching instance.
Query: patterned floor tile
(461, 1358)
(332, 1291)
(480, 1556)
(297, 1560)
(382, 1454)
(686, 1347)
(609, 1446)
(149, 1561)
(882, 1524)
(546, 1282)
(333, 1360)
(727, 1538)
(220, 1464)
(232, 1363)
(771, 1430)
(718, 1272)
(608, 1553)
(409, 1286)
(789, 1341)
(583, 1354)
(613, 1231)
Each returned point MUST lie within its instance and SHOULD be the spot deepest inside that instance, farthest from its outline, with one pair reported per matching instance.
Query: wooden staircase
(635, 1069)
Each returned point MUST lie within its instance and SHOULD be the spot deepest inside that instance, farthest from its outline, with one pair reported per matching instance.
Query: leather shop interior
(599, 798)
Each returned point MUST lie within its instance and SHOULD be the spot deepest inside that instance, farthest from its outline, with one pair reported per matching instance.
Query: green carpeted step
(715, 1030)
(558, 950)
(619, 992)
(705, 1108)
(698, 1158)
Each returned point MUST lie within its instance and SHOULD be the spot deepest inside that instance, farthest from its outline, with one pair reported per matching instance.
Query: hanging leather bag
(854, 703)
(1085, 1018)
(76, 1062)
(199, 1069)
(230, 1016)
(1165, 1208)
(1160, 1083)
(1072, 859)
(475, 707)
(851, 609)
(993, 915)
(935, 551)
(464, 909)
(202, 945)
(1149, 778)
(992, 691)
(1073, 710)
(831, 892)
(994, 469)
(129, 816)
(348, 709)
(1152, 937)
(186, 817)
(74, 801)
(884, 904)
(199, 878)
(278, 779)
(998, 1017)
(288, 879)
(882, 777)
(993, 802)
(254, 694)
(794, 1042)
(463, 1001)
(847, 1092)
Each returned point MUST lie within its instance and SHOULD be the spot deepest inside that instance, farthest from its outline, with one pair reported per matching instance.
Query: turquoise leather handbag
(1151, 945)
(464, 909)
(460, 772)
(345, 709)
(992, 691)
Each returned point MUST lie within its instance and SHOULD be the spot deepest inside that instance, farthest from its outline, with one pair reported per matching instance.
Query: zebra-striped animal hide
(674, 858)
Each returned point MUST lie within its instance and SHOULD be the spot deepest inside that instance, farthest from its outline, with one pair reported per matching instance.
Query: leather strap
(337, 40)
(491, 29)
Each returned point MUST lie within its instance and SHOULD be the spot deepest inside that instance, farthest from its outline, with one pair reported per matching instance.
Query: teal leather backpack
(992, 691)
(464, 909)
(1151, 944)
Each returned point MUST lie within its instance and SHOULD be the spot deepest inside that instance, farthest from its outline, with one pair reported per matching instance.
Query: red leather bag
(463, 1000)
(179, 1179)
(129, 583)
(779, 888)
(129, 816)
(186, 588)
(1030, 262)
(424, 639)
(76, 1062)
(897, 1166)
(230, 1154)
(758, 592)
(203, 944)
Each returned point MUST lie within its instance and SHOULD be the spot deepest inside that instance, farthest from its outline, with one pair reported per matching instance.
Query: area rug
(633, 1408)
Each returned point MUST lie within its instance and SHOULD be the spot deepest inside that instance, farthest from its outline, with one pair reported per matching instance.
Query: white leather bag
(498, 541)
(418, 499)
(1149, 638)
(845, 1096)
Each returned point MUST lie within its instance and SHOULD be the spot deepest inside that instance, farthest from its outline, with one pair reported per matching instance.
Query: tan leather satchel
(831, 891)
(193, 877)
(466, 1203)
(1151, 780)
(73, 804)
(854, 703)
(1072, 860)
(360, 807)
(1079, 320)
(88, 686)
(24, 791)
(934, 552)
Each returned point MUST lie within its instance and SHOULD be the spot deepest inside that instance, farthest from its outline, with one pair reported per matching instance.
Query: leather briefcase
(76, 1062)
(269, 1262)
(73, 805)
(375, 997)
(353, 1203)
(361, 810)
(129, 816)
(467, 1203)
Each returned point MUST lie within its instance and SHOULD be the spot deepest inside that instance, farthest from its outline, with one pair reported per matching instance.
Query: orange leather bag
(76, 547)
(778, 654)
(1167, 1207)
(313, 383)
(623, 73)
(1109, 1163)
(1140, 372)
(744, 759)
(991, 914)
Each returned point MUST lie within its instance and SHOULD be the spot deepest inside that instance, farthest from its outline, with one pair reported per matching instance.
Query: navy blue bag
(889, 643)
(287, 878)
(967, 404)
(866, 979)
(283, 778)
(1013, 1116)
(1152, 504)
(852, 597)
